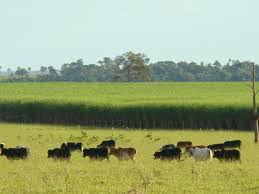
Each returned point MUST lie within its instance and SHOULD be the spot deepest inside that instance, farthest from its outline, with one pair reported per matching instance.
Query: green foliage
(135, 105)
(135, 67)
(39, 174)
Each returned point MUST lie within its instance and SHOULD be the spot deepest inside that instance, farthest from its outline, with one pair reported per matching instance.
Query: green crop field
(38, 174)
(134, 105)
(125, 94)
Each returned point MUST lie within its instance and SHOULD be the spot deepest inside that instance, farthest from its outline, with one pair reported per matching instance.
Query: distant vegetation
(133, 105)
(134, 67)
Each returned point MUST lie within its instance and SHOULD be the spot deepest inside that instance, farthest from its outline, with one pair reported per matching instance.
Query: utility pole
(255, 116)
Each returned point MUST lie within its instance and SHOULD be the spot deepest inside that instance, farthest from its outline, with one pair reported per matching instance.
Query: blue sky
(35, 33)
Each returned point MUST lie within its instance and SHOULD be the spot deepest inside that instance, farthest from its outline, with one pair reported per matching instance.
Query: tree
(9, 71)
(21, 71)
(255, 116)
(108, 70)
(52, 71)
(43, 70)
(134, 66)
(75, 71)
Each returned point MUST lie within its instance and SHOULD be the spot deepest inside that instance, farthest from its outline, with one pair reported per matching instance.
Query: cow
(184, 144)
(232, 144)
(187, 149)
(107, 144)
(227, 155)
(27, 149)
(169, 154)
(72, 146)
(201, 154)
(15, 153)
(167, 146)
(2, 146)
(216, 147)
(59, 153)
(96, 153)
(124, 153)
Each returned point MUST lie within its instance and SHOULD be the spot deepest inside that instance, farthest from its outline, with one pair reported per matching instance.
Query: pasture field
(134, 105)
(38, 174)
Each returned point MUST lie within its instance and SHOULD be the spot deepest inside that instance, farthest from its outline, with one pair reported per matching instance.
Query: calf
(107, 144)
(215, 147)
(184, 144)
(59, 153)
(72, 146)
(15, 153)
(201, 154)
(96, 153)
(232, 144)
(167, 146)
(227, 155)
(124, 153)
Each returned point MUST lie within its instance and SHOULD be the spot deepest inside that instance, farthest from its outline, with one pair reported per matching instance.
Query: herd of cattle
(228, 151)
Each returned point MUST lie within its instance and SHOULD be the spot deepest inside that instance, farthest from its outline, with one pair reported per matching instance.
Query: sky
(53, 32)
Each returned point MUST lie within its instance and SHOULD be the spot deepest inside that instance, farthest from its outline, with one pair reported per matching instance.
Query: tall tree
(52, 71)
(43, 70)
(9, 71)
(133, 65)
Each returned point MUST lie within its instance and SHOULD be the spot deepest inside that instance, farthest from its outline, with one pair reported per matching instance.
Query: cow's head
(63, 145)
(157, 155)
(191, 152)
(85, 152)
(113, 151)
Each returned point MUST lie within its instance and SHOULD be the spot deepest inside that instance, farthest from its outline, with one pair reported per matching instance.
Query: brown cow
(184, 144)
(123, 153)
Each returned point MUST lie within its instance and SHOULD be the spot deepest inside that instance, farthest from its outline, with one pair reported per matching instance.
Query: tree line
(135, 67)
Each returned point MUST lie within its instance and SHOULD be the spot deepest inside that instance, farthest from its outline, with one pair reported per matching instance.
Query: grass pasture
(41, 175)
(133, 105)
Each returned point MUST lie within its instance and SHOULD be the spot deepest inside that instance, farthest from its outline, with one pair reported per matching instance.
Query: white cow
(201, 154)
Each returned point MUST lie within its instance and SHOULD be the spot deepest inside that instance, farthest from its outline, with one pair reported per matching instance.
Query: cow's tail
(210, 154)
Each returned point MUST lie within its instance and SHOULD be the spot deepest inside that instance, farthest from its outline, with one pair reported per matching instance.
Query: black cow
(107, 144)
(232, 144)
(96, 153)
(72, 146)
(215, 147)
(167, 146)
(59, 153)
(168, 153)
(15, 153)
(27, 149)
(228, 155)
